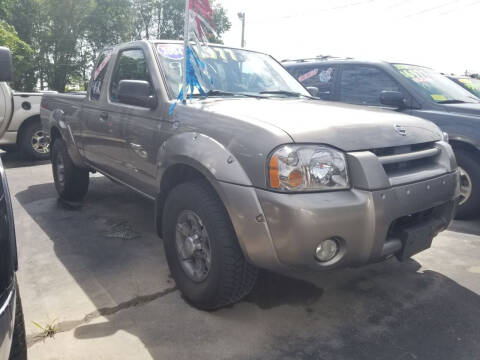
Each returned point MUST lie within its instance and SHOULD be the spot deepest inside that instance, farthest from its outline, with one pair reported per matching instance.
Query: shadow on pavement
(385, 311)
(471, 227)
(14, 159)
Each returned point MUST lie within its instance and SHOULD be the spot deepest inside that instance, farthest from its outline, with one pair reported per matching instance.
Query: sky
(442, 34)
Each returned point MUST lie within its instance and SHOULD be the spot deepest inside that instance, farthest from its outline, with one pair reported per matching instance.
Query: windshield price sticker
(172, 52)
(469, 83)
(218, 53)
(176, 52)
(439, 97)
(308, 75)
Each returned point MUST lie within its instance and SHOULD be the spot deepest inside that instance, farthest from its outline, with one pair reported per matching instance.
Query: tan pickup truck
(254, 174)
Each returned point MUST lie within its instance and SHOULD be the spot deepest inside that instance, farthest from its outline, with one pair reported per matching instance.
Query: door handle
(103, 116)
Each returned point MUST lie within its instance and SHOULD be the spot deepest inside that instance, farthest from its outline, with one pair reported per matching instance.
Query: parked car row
(257, 173)
(468, 83)
(12, 327)
(408, 89)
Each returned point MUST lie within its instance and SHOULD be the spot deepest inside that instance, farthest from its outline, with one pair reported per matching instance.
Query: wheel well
(173, 176)
(456, 144)
(24, 124)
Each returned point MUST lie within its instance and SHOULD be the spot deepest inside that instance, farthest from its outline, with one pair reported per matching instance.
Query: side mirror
(394, 99)
(6, 68)
(136, 93)
(313, 90)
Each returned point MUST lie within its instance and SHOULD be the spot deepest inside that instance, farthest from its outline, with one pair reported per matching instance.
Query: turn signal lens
(295, 178)
(273, 168)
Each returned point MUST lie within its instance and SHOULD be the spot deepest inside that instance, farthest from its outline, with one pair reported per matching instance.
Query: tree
(109, 23)
(167, 18)
(67, 35)
(22, 53)
(64, 25)
(221, 21)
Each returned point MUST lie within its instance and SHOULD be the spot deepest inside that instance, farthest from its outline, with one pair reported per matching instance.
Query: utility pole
(241, 16)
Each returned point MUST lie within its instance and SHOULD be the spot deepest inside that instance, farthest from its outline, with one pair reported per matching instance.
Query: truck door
(102, 134)
(142, 125)
(362, 85)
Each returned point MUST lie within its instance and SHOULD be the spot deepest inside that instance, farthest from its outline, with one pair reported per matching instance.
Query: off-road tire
(25, 142)
(18, 350)
(467, 161)
(230, 277)
(74, 185)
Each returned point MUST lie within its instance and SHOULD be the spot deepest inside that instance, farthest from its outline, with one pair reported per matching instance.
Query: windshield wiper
(284, 92)
(452, 101)
(226, 93)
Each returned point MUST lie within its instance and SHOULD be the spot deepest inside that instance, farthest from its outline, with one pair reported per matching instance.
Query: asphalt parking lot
(99, 273)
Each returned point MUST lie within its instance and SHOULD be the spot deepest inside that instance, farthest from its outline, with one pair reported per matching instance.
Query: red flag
(202, 14)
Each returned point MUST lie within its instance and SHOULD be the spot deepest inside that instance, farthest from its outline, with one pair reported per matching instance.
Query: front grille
(403, 159)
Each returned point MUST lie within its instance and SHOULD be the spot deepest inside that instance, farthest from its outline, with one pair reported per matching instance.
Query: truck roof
(340, 60)
(180, 42)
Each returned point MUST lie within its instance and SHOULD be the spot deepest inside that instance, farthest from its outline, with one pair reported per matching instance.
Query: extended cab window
(363, 84)
(319, 76)
(131, 65)
(98, 76)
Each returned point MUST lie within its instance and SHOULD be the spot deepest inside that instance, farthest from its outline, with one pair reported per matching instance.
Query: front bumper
(281, 231)
(7, 322)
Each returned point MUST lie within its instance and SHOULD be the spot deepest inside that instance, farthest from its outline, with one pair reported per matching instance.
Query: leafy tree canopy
(22, 53)
(67, 35)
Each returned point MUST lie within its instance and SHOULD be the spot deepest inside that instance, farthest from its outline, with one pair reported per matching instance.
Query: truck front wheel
(71, 181)
(469, 203)
(202, 250)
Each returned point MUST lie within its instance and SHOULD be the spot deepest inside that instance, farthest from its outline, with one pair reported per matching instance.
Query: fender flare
(58, 124)
(209, 158)
(205, 154)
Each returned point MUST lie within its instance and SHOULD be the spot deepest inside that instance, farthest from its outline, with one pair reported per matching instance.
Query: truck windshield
(435, 85)
(471, 84)
(231, 72)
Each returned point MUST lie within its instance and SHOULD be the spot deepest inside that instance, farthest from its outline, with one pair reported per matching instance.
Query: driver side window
(363, 85)
(131, 65)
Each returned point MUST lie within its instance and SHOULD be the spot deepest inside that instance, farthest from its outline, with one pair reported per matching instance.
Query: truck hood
(347, 127)
(471, 109)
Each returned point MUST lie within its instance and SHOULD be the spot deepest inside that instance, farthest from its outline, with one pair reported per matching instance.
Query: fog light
(327, 250)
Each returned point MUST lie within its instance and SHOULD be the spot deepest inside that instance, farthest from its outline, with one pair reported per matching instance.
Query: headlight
(307, 168)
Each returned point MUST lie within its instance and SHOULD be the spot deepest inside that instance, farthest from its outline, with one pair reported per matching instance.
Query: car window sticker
(326, 75)
(439, 97)
(102, 66)
(469, 84)
(171, 51)
(308, 75)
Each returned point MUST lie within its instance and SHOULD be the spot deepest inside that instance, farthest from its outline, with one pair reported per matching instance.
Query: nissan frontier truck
(254, 173)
